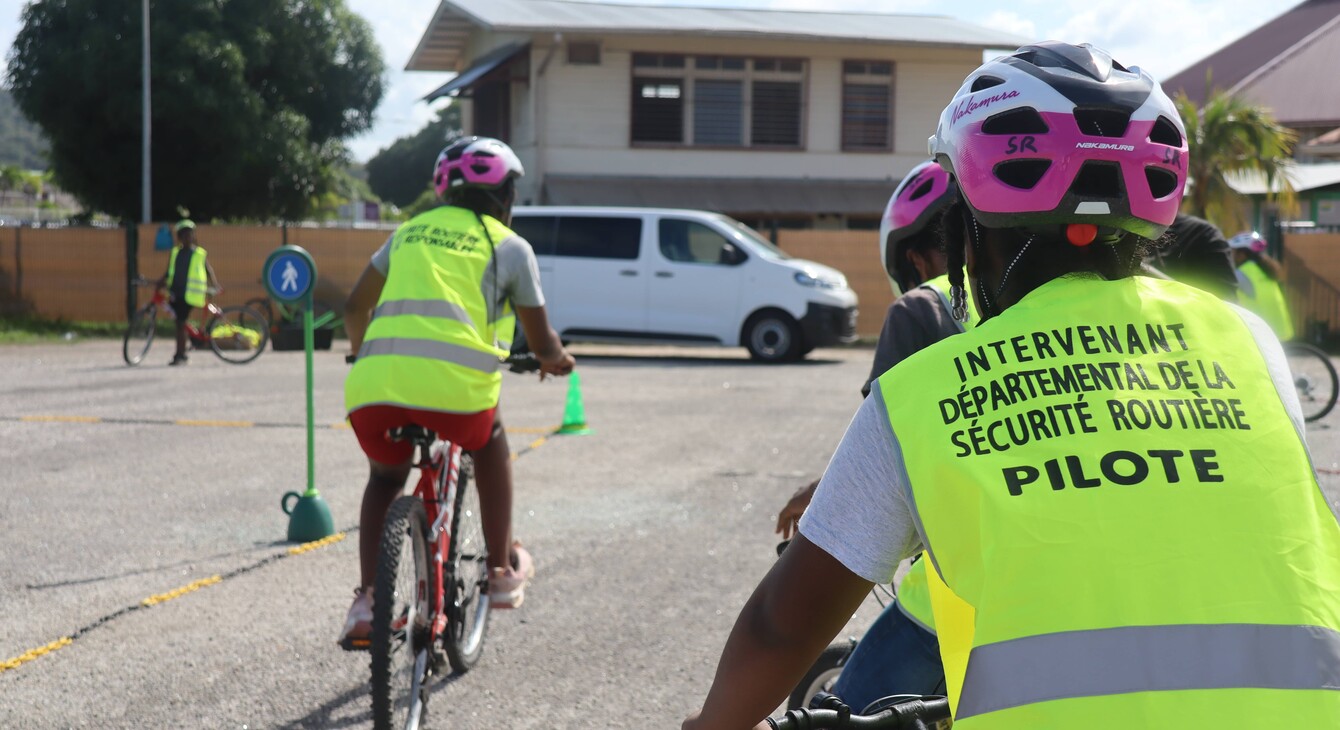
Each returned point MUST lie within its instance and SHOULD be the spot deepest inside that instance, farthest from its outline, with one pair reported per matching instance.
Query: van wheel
(772, 336)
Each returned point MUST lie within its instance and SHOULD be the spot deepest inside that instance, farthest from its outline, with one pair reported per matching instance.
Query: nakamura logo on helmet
(972, 104)
(1104, 146)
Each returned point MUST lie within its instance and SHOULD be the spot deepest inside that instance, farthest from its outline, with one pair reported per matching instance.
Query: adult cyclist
(899, 653)
(1096, 471)
(429, 319)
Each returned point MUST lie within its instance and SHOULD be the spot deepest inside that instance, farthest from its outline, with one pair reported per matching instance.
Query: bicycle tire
(246, 339)
(1314, 377)
(822, 674)
(465, 577)
(139, 335)
(262, 305)
(402, 610)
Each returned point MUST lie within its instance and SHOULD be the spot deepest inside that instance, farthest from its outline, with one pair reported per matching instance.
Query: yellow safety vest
(1124, 523)
(197, 283)
(914, 597)
(431, 344)
(1266, 299)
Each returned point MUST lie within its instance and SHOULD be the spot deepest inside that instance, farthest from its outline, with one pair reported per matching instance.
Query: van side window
(692, 242)
(538, 230)
(599, 237)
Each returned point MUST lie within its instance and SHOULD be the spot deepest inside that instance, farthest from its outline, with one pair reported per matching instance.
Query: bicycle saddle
(414, 434)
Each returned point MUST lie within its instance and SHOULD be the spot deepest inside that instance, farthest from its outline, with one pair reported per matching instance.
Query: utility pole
(146, 125)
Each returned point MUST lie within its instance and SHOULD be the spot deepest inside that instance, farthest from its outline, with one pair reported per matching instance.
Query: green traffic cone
(574, 415)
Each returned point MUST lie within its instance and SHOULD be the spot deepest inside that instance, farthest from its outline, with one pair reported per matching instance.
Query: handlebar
(906, 713)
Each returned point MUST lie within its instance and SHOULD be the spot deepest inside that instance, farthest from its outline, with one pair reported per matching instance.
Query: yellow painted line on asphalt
(218, 424)
(179, 592)
(308, 547)
(61, 419)
(32, 654)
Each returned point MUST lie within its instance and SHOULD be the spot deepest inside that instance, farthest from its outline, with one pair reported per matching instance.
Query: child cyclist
(899, 653)
(429, 319)
(1259, 282)
(1090, 523)
(188, 279)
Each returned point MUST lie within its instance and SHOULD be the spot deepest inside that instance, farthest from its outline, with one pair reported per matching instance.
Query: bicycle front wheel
(1315, 379)
(402, 613)
(140, 335)
(238, 334)
(466, 577)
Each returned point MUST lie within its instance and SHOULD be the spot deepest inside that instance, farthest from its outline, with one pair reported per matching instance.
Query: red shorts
(370, 423)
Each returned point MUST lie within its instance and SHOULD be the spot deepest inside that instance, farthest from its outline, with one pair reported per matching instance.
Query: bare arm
(358, 307)
(213, 280)
(544, 342)
(798, 608)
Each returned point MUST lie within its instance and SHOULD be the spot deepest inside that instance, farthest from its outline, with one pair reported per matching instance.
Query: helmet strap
(1008, 269)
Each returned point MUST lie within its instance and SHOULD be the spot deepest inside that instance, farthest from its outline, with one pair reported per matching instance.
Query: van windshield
(742, 231)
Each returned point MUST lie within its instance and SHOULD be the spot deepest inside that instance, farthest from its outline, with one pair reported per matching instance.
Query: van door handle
(628, 272)
(663, 274)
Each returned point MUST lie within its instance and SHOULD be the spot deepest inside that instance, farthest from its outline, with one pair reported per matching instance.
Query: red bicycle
(237, 334)
(430, 605)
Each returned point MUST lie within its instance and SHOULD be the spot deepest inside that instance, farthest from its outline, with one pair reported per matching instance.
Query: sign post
(290, 277)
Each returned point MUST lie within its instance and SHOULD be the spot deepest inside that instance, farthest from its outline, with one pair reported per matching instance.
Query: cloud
(1010, 22)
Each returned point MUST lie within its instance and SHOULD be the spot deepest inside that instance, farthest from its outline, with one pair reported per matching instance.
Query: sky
(1163, 36)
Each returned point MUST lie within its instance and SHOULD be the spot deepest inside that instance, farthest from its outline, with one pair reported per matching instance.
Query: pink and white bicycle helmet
(919, 198)
(482, 162)
(1056, 134)
(1250, 240)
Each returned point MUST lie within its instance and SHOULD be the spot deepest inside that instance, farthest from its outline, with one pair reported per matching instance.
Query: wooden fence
(855, 254)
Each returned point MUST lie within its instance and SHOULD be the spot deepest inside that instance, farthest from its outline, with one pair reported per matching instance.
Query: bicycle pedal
(356, 644)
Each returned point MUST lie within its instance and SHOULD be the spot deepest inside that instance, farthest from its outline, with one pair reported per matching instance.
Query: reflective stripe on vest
(430, 344)
(1108, 455)
(1266, 298)
(197, 281)
(1148, 659)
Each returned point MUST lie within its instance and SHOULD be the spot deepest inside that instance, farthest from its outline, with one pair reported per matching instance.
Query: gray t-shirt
(513, 268)
(861, 513)
(915, 321)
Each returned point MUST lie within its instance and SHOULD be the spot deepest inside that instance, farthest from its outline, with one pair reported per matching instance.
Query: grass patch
(19, 328)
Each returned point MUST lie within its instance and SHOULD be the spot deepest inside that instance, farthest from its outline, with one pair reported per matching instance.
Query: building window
(718, 101)
(584, 53)
(867, 106)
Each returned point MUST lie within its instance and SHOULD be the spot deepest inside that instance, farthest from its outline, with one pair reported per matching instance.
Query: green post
(309, 515)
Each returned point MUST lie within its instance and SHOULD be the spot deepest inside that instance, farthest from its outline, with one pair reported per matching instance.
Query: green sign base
(309, 518)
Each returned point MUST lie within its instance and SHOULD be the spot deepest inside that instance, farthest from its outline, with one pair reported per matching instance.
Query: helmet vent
(1165, 132)
(1015, 121)
(1022, 174)
(1161, 182)
(1102, 122)
(986, 82)
(921, 190)
(480, 169)
(1098, 179)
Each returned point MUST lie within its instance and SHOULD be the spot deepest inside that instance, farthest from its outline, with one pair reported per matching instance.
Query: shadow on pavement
(321, 717)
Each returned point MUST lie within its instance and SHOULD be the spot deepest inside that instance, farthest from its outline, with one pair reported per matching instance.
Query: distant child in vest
(429, 318)
(1260, 279)
(188, 279)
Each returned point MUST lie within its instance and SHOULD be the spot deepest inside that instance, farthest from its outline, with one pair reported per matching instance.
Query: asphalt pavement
(122, 484)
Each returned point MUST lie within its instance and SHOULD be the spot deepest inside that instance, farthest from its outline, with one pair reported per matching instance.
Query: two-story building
(779, 118)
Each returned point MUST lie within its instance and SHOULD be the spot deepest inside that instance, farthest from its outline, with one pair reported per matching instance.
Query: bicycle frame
(439, 464)
(160, 300)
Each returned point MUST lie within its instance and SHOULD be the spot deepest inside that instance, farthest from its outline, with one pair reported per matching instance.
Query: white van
(688, 277)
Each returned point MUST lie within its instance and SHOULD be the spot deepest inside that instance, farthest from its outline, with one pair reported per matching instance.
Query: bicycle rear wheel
(822, 675)
(140, 335)
(401, 614)
(466, 577)
(1315, 378)
(238, 334)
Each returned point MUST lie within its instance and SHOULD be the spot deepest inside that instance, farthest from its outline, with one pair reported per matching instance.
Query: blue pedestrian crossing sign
(289, 274)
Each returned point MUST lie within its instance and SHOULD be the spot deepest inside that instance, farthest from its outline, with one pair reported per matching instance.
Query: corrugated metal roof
(1301, 88)
(450, 26)
(1303, 177)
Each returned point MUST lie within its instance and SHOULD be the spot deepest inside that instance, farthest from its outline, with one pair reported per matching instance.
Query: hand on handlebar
(561, 366)
(694, 722)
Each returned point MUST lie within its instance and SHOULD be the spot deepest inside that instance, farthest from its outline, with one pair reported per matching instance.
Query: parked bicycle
(430, 609)
(1315, 378)
(897, 712)
(237, 334)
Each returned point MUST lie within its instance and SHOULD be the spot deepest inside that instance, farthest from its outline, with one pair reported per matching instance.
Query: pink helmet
(919, 198)
(481, 162)
(1054, 134)
(1249, 240)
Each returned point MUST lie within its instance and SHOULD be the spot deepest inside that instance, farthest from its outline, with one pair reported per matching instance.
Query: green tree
(1228, 136)
(11, 179)
(21, 141)
(251, 100)
(401, 172)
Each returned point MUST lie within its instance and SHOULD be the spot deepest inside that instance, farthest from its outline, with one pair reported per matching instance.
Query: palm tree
(1229, 135)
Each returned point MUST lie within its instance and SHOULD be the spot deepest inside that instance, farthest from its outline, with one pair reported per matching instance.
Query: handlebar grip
(524, 362)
